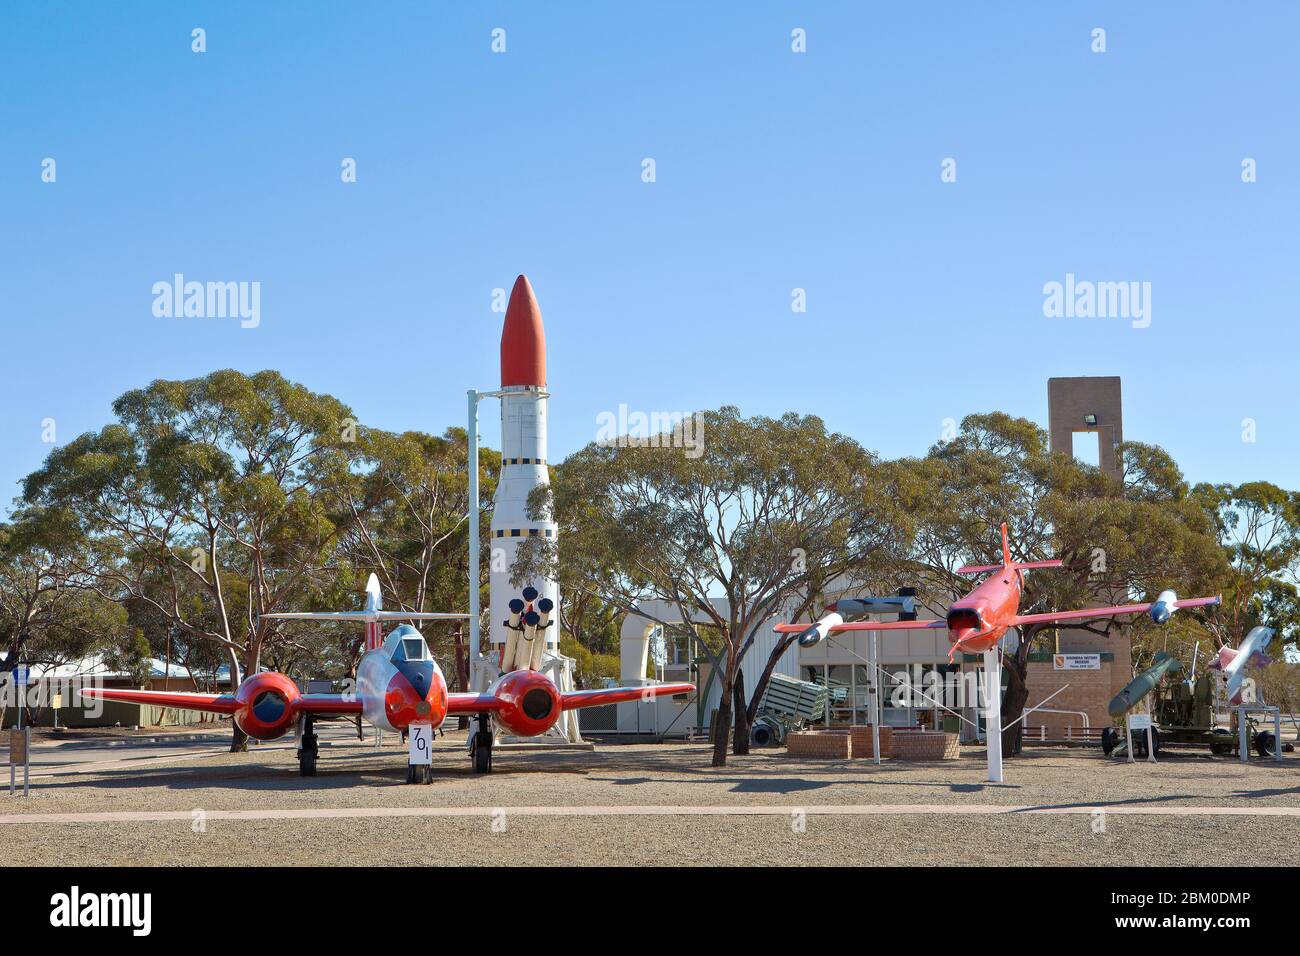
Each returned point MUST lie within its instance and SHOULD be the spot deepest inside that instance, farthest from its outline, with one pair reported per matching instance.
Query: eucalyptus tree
(1119, 539)
(206, 501)
(405, 508)
(1258, 527)
(731, 532)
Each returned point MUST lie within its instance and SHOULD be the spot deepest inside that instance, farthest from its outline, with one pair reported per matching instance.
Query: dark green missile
(1143, 684)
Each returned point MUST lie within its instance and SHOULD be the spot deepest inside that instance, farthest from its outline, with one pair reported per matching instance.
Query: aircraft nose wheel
(419, 773)
(480, 746)
(308, 749)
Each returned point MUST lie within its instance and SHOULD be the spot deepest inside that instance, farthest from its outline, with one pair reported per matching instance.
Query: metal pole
(27, 759)
(471, 438)
(875, 702)
(993, 712)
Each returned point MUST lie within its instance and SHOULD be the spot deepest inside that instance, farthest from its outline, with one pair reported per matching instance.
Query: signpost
(20, 737)
(1140, 722)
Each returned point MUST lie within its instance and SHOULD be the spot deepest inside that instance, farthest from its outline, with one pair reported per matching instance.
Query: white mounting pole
(993, 712)
(875, 702)
(471, 439)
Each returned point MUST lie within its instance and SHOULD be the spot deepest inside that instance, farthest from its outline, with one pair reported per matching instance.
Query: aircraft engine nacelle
(1163, 607)
(530, 703)
(268, 705)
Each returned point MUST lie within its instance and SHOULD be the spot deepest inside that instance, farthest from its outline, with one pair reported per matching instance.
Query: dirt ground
(813, 811)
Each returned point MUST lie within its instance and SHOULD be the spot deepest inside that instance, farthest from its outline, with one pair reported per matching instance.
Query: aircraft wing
(363, 616)
(472, 703)
(573, 700)
(862, 626)
(219, 703)
(210, 703)
(612, 695)
(1091, 613)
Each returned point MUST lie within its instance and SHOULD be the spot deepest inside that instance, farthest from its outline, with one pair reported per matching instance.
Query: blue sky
(775, 171)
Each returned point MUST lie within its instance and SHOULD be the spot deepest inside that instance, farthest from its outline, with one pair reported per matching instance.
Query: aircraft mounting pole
(875, 700)
(993, 712)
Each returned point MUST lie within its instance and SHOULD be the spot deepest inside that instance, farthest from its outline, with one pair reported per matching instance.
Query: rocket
(1233, 663)
(523, 469)
(1136, 689)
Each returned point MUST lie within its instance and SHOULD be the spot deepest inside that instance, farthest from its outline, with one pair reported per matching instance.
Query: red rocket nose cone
(523, 340)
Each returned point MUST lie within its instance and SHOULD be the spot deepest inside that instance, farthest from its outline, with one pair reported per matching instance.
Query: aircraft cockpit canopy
(408, 645)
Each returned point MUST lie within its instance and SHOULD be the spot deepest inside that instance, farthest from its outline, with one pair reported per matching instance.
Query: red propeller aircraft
(977, 621)
(399, 684)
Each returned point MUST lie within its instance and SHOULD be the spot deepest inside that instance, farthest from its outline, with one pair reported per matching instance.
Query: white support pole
(993, 712)
(471, 438)
(875, 702)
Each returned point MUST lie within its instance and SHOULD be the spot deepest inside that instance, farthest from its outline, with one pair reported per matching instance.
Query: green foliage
(204, 500)
(132, 657)
(590, 667)
(1257, 525)
(762, 513)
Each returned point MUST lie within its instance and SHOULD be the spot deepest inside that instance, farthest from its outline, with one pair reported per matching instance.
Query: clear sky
(775, 170)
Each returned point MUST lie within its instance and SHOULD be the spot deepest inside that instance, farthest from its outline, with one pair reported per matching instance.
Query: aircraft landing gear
(307, 749)
(480, 746)
(419, 773)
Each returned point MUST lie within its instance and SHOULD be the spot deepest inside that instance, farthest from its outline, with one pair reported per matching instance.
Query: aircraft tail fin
(1007, 562)
(371, 616)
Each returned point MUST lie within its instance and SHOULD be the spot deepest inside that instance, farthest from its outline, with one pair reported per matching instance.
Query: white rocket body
(523, 469)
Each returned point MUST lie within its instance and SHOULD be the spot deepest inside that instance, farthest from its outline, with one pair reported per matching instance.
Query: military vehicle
(1183, 713)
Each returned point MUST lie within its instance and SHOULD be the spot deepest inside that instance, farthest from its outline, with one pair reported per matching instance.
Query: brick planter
(862, 741)
(820, 744)
(925, 745)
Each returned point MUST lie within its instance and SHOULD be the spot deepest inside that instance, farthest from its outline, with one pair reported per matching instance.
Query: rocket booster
(523, 461)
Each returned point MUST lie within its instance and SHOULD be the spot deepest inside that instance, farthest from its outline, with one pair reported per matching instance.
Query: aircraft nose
(403, 703)
(416, 694)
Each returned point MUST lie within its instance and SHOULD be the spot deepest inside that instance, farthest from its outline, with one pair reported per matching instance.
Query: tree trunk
(239, 739)
(1013, 704)
(751, 712)
(722, 727)
(740, 739)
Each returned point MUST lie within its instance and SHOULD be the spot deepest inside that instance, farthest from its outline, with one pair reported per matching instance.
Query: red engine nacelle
(530, 703)
(268, 705)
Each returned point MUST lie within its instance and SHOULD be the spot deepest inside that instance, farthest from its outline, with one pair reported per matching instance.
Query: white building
(919, 685)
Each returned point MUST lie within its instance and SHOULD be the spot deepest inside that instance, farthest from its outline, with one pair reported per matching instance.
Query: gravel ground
(358, 776)
(674, 841)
